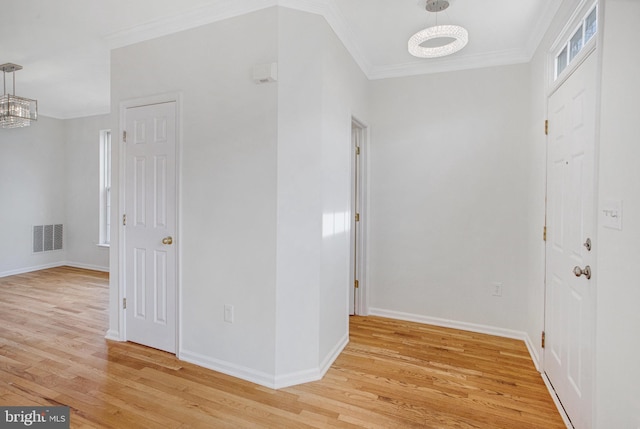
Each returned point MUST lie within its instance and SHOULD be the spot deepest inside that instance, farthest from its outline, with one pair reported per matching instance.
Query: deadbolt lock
(587, 244)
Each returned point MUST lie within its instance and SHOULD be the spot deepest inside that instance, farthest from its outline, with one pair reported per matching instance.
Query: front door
(150, 225)
(570, 293)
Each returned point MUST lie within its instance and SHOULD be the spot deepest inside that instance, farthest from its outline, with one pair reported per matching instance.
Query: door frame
(361, 296)
(170, 97)
(591, 48)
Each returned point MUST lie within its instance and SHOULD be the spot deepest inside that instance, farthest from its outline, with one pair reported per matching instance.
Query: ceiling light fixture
(459, 35)
(15, 111)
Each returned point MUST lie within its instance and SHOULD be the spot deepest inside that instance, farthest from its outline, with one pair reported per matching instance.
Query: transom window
(578, 40)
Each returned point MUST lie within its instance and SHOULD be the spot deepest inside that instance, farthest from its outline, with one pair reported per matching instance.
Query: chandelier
(15, 111)
(459, 35)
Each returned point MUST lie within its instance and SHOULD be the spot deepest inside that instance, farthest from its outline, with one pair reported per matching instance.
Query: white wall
(227, 184)
(320, 87)
(32, 192)
(82, 154)
(618, 288)
(449, 208)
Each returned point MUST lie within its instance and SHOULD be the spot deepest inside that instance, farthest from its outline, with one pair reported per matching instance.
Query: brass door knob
(167, 240)
(580, 271)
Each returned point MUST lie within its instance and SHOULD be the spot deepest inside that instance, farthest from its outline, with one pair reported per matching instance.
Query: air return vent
(47, 238)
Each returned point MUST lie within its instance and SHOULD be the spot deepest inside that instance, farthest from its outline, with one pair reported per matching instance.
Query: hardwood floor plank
(392, 374)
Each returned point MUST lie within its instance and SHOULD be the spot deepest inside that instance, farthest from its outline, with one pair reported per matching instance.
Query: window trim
(105, 189)
(557, 77)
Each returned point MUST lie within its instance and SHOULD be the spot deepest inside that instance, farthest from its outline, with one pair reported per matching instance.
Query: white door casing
(356, 289)
(150, 230)
(569, 299)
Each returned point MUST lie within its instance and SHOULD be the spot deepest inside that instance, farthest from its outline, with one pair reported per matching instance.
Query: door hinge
(124, 303)
(546, 127)
(124, 136)
(357, 217)
(124, 220)
(544, 233)
(542, 339)
(356, 284)
(357, 150)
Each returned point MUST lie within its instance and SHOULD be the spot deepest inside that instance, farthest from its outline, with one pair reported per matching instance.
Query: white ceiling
(64, 45)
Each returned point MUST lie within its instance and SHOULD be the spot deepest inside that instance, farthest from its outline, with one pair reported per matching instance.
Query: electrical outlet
(496, 289)
(228, 313)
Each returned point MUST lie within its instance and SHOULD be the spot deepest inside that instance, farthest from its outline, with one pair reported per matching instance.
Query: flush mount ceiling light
(459, 35)
(15, 111)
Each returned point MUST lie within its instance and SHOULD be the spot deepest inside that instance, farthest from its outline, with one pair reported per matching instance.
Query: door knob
(167, 240)
(579, 271)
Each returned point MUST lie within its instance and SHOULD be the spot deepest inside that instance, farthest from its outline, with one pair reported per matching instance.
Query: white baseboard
(262, 378)
(481, 329)
(24, 270)
(464, 326)
(314, 374)
(86, 266)
(447, 323)
(113, 335)
(533, 352)
(229, 368)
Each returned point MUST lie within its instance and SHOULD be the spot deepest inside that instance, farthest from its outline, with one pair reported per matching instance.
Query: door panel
(150, 206)
(570, 299)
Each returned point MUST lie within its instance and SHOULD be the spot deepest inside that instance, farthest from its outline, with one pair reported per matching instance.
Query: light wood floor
(391, 375)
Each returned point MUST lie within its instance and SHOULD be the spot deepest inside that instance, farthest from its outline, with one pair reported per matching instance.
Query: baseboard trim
(80, 265)
(113, 335)
(314, 374)
(552, 392)
(25, 270)
(229, 368)
(464, 326)
(86, 266)
(262, 378)
(533, 352)
(448, 323)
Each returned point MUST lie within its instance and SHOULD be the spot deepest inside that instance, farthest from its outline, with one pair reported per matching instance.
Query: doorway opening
(357, 290)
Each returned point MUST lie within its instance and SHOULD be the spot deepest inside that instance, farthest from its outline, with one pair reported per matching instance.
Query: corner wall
(320, 87)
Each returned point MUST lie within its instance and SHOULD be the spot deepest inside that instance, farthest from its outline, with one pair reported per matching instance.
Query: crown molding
(540, 28)
(218, 11)
(225, 9)
(448, 64)
(339, 25)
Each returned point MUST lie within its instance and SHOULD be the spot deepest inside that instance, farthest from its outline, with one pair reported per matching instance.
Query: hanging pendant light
(459, 35)
(15, 111)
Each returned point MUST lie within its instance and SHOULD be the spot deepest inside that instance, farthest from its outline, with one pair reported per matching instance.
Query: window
(583, 34)
(105, 187)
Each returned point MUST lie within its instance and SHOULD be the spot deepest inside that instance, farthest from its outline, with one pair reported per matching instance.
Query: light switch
(611, 214)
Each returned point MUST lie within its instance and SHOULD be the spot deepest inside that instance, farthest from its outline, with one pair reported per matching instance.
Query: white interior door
(150, 225)
(570, 299)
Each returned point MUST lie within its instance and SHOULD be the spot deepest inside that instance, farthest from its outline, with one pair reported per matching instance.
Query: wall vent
(47, 238)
